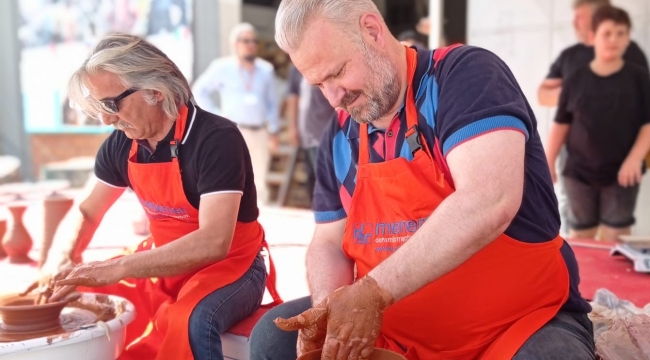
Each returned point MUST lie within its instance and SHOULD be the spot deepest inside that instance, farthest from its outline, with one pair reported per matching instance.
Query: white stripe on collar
(191, 123)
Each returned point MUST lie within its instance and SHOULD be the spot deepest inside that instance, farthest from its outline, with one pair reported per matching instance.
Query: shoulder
(465, 56)
(222, 63)
(466, 64)
(634, 47)
(115, 144)
(264, 65)
(208, 127)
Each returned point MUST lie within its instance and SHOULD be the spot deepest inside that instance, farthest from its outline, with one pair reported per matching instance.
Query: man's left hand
(99, 273)
(630, 172)
(354, 316)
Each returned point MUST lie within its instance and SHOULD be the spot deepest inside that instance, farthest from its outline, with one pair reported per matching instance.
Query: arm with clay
(207, 245)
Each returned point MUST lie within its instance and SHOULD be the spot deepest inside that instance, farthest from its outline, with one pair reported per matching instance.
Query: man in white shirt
(246, 89)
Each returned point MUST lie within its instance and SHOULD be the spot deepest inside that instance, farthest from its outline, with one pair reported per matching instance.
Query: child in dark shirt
(604, 118)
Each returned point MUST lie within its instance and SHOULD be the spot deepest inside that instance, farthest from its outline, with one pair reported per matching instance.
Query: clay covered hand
(351, 317)
(45, 283)
(98, 273)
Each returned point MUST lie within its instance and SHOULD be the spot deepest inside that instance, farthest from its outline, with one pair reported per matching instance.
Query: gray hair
(138, 64)
(238, 30)
(294, 15)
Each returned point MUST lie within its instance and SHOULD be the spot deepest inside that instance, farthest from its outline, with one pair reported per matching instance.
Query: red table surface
(616, 273)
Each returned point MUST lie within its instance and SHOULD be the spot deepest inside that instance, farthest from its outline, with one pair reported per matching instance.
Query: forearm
(67, 247)
(556, 138)
(188, 253)
(463, 224)
(327, 270)
(292, 112)
(549, 96)
(641, 145)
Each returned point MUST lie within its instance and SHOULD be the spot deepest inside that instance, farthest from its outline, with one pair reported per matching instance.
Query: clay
(70, 320)
(19, 314)
(17, 242)
(56, 206)
(78, 314)
(3, 229)
(377, 354)
(352, 311)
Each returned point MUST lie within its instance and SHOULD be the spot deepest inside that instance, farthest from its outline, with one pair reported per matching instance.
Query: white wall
(529, 34)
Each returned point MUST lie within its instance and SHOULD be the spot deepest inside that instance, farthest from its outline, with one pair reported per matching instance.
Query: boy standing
(604, 116)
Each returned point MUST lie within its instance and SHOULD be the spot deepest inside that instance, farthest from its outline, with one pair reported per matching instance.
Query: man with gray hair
(201, 270)
(437, 225)
(246, 88)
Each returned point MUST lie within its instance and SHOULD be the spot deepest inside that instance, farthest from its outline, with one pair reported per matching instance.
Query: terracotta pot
(19, 314)
(17, 241)
(3, 229)
(56, 206)
(378, 354)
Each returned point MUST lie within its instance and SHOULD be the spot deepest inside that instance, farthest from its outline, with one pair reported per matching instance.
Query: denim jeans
(223, 308)
(566, 336)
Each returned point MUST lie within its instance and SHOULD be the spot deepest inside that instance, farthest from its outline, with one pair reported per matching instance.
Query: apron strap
(270, 280)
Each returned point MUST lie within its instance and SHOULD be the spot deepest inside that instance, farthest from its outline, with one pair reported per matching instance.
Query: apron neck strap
(411, 112)
(181, 121)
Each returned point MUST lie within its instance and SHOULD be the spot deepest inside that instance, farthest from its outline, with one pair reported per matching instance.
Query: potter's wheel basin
(19, 314)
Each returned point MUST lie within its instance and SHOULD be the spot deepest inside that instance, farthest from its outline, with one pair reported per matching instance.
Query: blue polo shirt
(461, 92)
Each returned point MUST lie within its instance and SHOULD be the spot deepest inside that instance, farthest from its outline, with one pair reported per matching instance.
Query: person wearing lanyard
(247, 91)
(201, 271)
(437, 224)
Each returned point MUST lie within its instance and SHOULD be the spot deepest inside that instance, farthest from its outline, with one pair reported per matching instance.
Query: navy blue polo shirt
(461, 92)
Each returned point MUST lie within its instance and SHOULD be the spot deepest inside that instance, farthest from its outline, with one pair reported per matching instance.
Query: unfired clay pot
(19, 314)
(378, 354)
(3, 229)
(56, 206)
(17, 241)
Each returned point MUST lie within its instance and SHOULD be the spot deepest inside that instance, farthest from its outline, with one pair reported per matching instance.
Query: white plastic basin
(87, 344)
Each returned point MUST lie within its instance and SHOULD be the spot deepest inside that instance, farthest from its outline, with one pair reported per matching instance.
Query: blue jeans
(223, 308)
(567, 336)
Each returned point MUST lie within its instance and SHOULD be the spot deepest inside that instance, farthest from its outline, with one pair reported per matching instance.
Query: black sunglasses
(110, 105)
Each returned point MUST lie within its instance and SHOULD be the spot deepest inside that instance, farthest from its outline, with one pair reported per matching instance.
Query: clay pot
(17, 241)
(56, 206)
(378, 354)
(19, 314)
(3, 229)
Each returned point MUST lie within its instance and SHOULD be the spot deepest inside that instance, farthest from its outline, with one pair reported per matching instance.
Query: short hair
(594, 3)
(137, 64)
(293, 16)
(238, 30)
(617, 15)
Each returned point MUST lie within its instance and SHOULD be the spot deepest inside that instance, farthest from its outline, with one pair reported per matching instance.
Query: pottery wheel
(71, 319)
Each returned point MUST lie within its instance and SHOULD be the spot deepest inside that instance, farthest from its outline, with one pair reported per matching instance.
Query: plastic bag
(621, 330)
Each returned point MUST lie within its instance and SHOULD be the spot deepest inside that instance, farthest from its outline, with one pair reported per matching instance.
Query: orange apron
(164, 305)
(484, 309)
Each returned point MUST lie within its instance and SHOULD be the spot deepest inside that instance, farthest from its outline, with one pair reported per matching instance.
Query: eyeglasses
(248, 41)
(110, 105)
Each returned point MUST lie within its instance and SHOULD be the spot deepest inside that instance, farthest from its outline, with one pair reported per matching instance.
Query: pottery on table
(3, 229)
(56, 206)
(17, 242)
(19, 314)
(377, 354)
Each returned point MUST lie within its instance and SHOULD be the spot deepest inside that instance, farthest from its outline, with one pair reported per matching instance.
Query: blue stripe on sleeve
(329, 216)
(480, 127)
